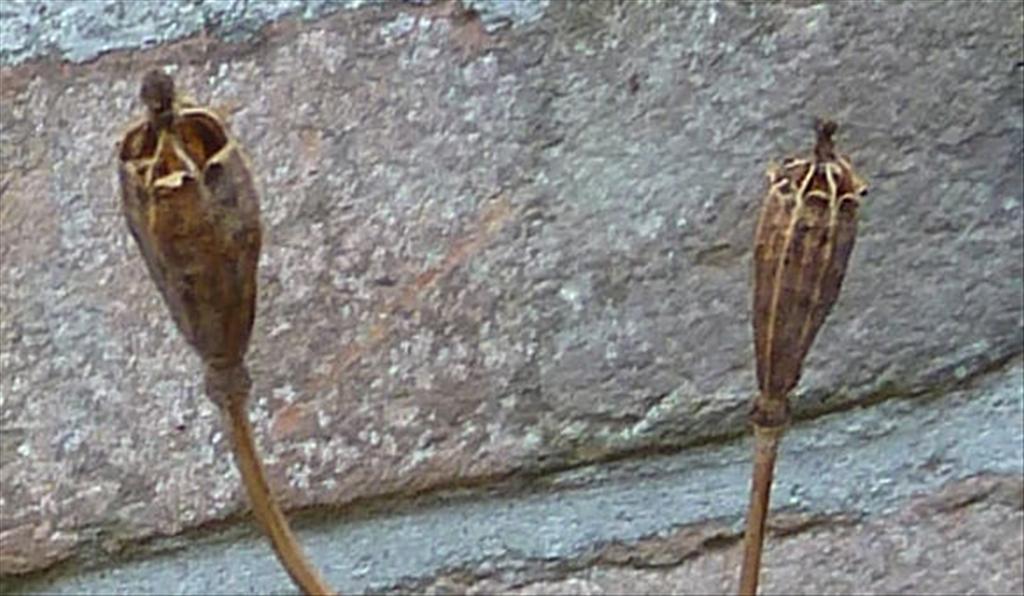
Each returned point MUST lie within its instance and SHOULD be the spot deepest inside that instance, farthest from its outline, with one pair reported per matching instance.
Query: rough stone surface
(494, 251)
(82, 31)
(967, 540)
(849, 467)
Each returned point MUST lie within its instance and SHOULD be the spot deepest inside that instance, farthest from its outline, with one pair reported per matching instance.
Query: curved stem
(265, 508)
(766, 445)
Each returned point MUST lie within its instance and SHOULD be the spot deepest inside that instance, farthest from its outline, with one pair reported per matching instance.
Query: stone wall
(503, 330)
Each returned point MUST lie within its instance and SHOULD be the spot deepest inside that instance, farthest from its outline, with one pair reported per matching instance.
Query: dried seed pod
(803, 243)
(188, 195)
(191, 205)
(802, 246)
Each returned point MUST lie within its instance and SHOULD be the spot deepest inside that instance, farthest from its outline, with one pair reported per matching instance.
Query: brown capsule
(191, 204)
(802, 245)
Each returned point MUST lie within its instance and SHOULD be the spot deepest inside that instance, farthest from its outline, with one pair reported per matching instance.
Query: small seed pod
(802, 245)
(190, 202)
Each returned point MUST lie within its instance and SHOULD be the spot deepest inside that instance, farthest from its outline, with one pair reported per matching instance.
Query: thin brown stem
(766, 444)
(265, 508)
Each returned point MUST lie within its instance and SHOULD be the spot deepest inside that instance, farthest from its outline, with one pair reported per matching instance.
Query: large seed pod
(190, 202)
(803, 243)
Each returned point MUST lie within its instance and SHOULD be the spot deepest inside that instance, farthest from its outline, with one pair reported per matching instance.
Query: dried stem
(766, 444)
(265, 508)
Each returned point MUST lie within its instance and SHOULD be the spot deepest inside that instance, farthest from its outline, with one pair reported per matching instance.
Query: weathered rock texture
(497, 244)
(974, 530)
(678, 512)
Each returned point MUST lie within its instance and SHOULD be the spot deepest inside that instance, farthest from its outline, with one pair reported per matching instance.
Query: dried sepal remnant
(803, 243)
(191, 204)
